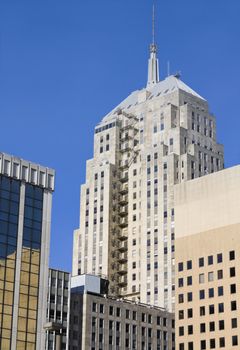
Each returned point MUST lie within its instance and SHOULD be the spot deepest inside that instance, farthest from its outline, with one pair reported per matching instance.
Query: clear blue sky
(65, 63)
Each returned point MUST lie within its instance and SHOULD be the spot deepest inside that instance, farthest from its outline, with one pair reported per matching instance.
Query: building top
(29, 172)
(208, 203)
(169, 85)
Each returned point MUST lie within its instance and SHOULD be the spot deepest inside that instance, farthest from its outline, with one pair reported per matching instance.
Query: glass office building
(25, 217)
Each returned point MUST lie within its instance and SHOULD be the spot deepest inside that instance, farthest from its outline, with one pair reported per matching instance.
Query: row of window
(202, 310)
(213, 343)
(211, 293)
(209, 259)
(118, 312)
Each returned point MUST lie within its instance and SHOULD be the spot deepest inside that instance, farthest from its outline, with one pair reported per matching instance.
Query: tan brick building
(207, 218)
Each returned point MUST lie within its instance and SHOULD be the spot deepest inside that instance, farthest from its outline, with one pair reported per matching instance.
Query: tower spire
(153, 67)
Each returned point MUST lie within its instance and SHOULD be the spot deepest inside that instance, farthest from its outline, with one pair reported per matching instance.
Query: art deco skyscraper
(25, 216)
(157, 137)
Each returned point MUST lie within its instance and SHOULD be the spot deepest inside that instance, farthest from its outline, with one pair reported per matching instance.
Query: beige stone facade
(207, 223)
(158, 137)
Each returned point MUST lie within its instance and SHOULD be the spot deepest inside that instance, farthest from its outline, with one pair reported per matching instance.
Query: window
(202, 327)
(190, 329)
(221, 325)
(211, 292)
(233, 305)
(212, 326)
(201, 262)
(202, 310)
(180, 298)
(189, 280)
(234, 340)
(232, 255)
(222, 342)
(211, 309)
(221, 307)
(181, 331)
(210, 276)
(203, 345)
(202, 294)
(189, 264)
(201, 278)
(190, 313)
(212, 344)
(101, 309)
(220, 291)
(232, 272)
(210, 260)
(220, 274)
(219, 258)
(180, 282)
(189, 296)
(180, 266)
(233, 288)
(94, 307)
(234, 322)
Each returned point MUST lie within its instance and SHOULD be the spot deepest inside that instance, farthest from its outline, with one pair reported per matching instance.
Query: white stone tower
(157, 137)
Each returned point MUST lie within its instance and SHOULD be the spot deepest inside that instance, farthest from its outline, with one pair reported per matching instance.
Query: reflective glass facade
(30, 268)
(9, 210)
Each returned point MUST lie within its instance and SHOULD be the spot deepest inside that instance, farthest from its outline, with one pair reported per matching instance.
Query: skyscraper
(157, 137)
(25, 217)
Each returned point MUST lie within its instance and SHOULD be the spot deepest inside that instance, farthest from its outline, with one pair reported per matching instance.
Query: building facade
(25, 217)
(101, 322)
(208, 262)
(58, 307)
(157, 137)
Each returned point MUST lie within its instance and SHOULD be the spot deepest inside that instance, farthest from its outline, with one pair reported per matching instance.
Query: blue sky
(65, 64)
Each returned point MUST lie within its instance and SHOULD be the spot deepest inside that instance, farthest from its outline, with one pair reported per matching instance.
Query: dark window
(181, 331)
(211, 292)
(203, 345)
(211, 309)
(202, 327)
(222, 342)
(180, 266)
(190, 313)
(234, 340)
(201, 262)
(202, 310)
(190, 329)
(219, 258)
(234, 322)
(233, 305)
(221, 325)
(220, 291)
(202, 294)
(220, 274)
(232, 272)
(212, 344)
(233, 288)
(232, 255)
(212, 326)
(189, 264)
(190, 296)
(210, 259)
(220, 307)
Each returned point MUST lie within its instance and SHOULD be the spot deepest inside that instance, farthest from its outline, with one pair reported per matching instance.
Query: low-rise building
(101, 322)
(207, 223)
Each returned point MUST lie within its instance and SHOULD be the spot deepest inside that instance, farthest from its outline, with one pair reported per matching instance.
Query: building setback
(58, 307)
(102, 322)
(207, 222)
(25, 217)
(157, 137)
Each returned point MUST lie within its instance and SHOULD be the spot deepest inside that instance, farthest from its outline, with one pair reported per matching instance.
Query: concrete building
(25, 217)
(58, 307)
(207, 223)
(157, 137)
(102, 322)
